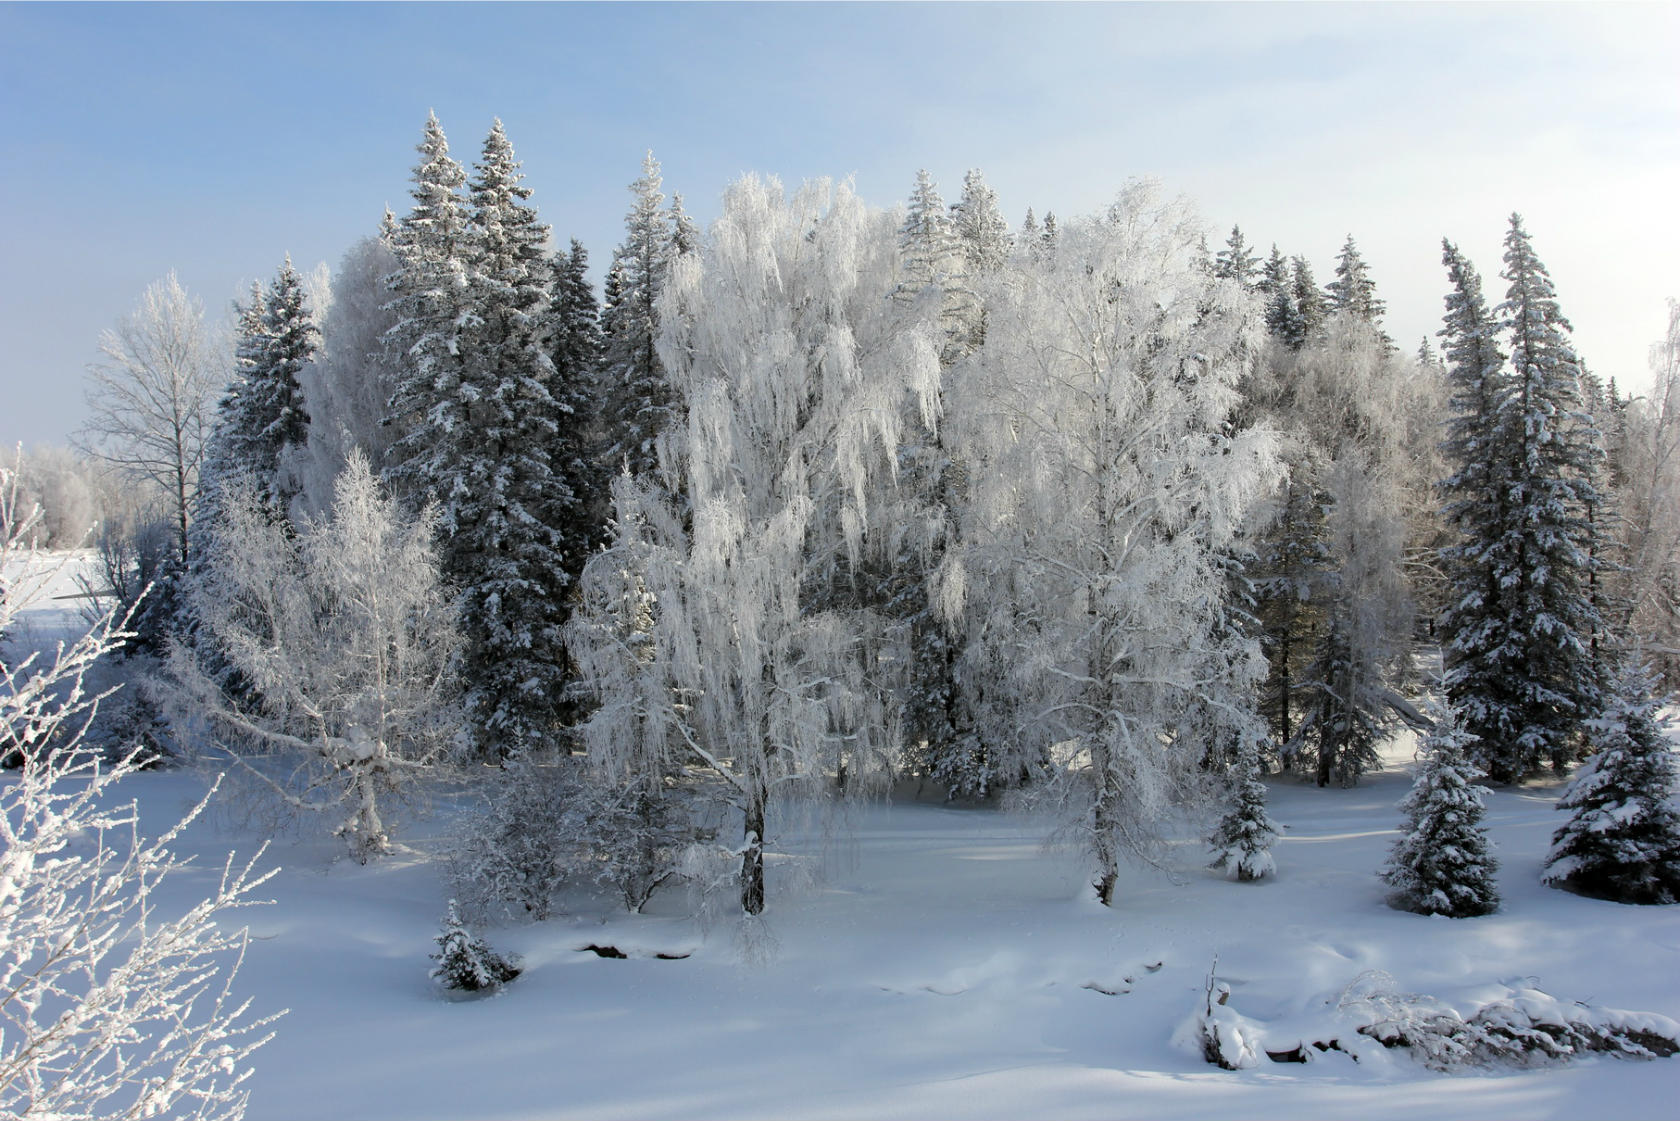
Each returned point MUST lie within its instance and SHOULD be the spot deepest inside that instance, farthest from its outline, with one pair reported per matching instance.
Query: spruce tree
(465, 962)
(1278, 293)
(1235, 262)
(1622, 839)
(501, 503)
(1442, 864)
(979, 227)
(575, 347)
(1242, 842)
(637, 390)
(1353, 292)
(1554, 457)
(1308, 308)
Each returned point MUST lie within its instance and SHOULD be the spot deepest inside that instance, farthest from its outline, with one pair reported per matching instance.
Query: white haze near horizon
(1301, 123)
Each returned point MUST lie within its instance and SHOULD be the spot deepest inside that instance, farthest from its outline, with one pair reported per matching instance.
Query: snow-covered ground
(929, 961)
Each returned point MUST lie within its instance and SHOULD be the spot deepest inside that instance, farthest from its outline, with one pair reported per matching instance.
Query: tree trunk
(752, 853)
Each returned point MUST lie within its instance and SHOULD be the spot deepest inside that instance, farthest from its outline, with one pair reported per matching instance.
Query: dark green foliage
(1441, 865)
(465, 963)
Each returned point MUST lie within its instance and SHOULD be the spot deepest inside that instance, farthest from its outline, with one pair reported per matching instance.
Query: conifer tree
(576, 351)
(979, 227)
(1622, 839)
(501, 503)
(1242, 842)
(637, 390)
(1307, 307)
(1275, 288)
(1235, 262)
(1353, 292)
(465, 961)
(1442, 864)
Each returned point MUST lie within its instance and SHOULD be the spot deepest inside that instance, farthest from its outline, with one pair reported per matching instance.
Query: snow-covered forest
(1091, 621)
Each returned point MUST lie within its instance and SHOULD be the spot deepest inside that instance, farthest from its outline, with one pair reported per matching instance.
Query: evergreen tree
(1547, 615)
(1275, 288)
(576, 351)
(1441, 865)
(1235, 262)
(428, 407)
(637, 390)
(501, 503)
(1242, 842)
(465, 962)
(1307, 307)
(1353, 292)
(1291, 564)
(1622, 839)
(979, 227)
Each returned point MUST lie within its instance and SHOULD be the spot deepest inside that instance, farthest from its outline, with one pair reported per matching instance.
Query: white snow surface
(941, 963)
(934, 962)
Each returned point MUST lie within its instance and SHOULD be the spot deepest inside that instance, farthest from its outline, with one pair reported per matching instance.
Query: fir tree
(1353, 292)
(1242, 843)
(1622, 839)
(576, 352)
(1275, 288)
(637, 390)
(1307, 307)
(1441, 865)
(501, 503)
(465, 962)
(1235, 262)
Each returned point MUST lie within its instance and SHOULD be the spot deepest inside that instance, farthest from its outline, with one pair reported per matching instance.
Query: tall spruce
(1235, 262)
(637, 390)
(575, 346)
(1353, 292)
(501, 501)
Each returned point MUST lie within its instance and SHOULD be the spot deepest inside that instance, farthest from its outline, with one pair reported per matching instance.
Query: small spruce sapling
(1442, 864)
(465, 962)
(1622, 839)
(1242, 843)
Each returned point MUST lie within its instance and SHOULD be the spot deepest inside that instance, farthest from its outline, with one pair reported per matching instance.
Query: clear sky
(213, 139)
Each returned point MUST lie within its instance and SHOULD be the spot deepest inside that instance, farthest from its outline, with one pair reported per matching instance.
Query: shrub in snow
(1528, 1028)
(1228, 1040)
(1242, 843)
(464, 962)
(1441, 865)
(106, 1007)
(1622, 839)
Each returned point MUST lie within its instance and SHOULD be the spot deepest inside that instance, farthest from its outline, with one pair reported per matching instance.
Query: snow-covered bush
(1622, 839)
(543, 825)
(465, 962)
(107, 1007)
(346, 637)
(1242, 843)
(1441, 865)
(1528, 1028)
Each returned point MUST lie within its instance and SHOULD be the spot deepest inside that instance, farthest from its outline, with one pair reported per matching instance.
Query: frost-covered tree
(346, 637)
(1291, 565)
(696, 636)
(1353, 292)
(1307, 308)
(1275, 289)
(352, 378)
(465, 961)
(978, 225)
(1242, 842)
(1522, 615)
(1650, 460)
(1107, 490)
(1235, 262)
(151, 399)
(1622, 839)
(636, 389)
(576, 351)
(110, 1007)
(1443, 864)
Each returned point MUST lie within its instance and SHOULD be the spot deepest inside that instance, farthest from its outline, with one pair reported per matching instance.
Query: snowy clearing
(938, 963)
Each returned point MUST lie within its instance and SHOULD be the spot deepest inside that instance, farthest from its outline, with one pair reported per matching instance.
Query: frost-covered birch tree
(1107, 485)
(698, 637)
(345, 634)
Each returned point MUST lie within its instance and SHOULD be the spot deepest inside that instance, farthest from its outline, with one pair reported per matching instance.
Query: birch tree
(698, 636)
(1108, 484)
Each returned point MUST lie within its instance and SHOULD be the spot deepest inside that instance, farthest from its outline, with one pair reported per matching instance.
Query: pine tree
(428, 408)
(637, 390)
(501, 503)
(1353, 292)
(1551, 457)
(465, 962)
(1235, 262)
(1442, 864)
(1242, 842)
(1622, 839)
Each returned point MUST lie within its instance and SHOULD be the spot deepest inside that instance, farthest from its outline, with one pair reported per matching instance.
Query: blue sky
(213, 139)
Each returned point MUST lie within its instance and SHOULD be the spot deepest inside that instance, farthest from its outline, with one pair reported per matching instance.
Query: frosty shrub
(465, 962)
(345, 633)
(1441, 865)
(1622, 839)
(544, 825)
(108, 1008)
